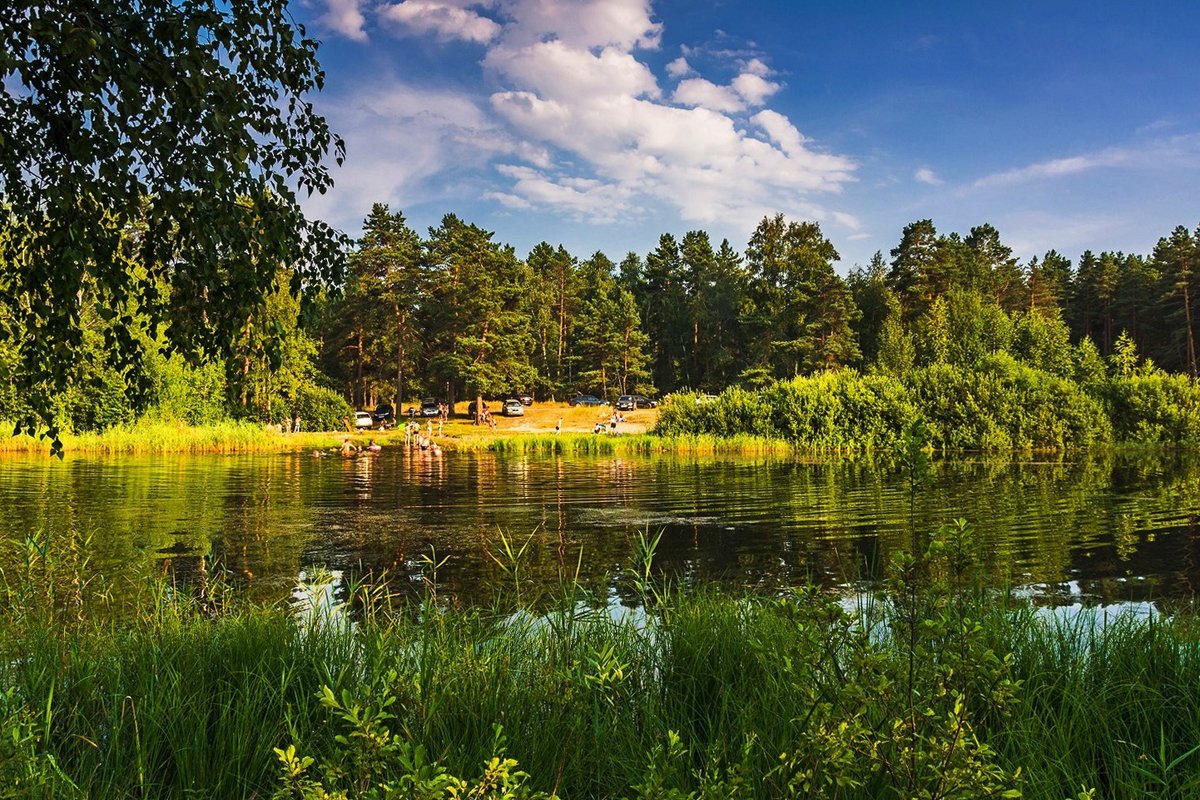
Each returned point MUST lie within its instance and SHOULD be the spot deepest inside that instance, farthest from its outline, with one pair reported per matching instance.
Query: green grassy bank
(168, 437)
(931, 688)
(244, 437)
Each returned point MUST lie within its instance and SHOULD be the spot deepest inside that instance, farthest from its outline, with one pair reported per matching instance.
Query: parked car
(514, 408)
(363, 419)
(430, 407)
(383, 415)
(585, 400)
(526, 399)
(471, 408)
(628, 402)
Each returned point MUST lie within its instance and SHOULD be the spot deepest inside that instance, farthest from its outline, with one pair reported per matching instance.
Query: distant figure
(347, 449)
(558, 427)
(372, 447)
(599, 427)
(296, 423)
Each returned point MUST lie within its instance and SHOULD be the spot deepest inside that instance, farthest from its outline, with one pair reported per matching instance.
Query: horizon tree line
(457, 314)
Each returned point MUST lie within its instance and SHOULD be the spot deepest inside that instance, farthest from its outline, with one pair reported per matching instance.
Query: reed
(146, 438)
(632, 444)
(933, 689)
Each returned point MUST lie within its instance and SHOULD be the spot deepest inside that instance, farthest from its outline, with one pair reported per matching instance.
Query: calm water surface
(1100, 528)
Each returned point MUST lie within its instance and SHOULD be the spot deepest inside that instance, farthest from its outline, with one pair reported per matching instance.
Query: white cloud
(345, 17)
(557, 71)
(755, 66)
(1171, 153)
(409, 144)
(581, 127)
(706, 94)
(846, 220)
(1046, 169)
(927, 176)
(754, 88)
(443, 20)
(586, 24)
(678, 68)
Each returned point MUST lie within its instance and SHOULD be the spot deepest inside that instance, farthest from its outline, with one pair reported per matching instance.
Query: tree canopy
(150, 156)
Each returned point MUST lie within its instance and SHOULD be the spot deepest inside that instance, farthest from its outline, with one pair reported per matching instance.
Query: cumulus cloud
(927, 176)
(408, 142)
(624, 24)
(704, 93)
(678, 68)
(443, 19)
(754, 88)
(577, 122)
(345, 17)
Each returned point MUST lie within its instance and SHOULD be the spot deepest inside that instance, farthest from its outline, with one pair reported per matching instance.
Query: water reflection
(1112, 528)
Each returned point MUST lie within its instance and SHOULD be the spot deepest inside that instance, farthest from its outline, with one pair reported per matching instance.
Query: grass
(604, 444)
(932, 689)
(533, 433)
(165, 437)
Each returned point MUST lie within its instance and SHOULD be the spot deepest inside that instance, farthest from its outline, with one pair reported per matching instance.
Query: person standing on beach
(558, 427)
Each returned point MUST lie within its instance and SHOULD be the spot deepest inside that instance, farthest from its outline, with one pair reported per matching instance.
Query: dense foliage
(149, 164)
(992, 354)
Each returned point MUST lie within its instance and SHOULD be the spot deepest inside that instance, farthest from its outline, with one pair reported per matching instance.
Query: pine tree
(482, 339)
(1178, 260)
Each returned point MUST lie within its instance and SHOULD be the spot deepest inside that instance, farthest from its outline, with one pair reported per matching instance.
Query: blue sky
(601, 124)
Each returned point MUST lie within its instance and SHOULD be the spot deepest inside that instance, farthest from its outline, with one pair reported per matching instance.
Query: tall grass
(165, 437)
(603, 444)
(937, 689)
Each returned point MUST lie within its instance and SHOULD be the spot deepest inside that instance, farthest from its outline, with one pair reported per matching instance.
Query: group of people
(413, 437)
(601, 427)
(290, 424)
(348, 448)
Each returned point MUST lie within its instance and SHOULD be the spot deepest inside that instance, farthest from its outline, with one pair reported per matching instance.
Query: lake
(1100, 528)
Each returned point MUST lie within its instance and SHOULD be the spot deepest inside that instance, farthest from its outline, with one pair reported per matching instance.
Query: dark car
(384, 415)
(628, 402)
(585, 400)
(430, 407)
(471, 408)
(526, 399)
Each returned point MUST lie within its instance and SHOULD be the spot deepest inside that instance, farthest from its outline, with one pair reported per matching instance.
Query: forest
(455, 313)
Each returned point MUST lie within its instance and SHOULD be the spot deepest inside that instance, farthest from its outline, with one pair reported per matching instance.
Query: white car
(363, 419)
(513, 408)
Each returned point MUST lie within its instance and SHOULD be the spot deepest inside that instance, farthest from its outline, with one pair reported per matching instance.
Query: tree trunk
(1191, 340)
(359, 390)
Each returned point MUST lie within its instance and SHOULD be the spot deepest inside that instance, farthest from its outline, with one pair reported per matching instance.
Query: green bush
(1153, 407)
(1005, 405)
(839, 411)
(320, 409)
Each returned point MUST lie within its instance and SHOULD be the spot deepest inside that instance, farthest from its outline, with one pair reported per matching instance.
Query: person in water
(372, 447)
(347, 449)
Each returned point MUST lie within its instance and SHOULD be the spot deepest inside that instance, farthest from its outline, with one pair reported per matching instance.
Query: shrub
(1153, 407)
(1005, 405)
